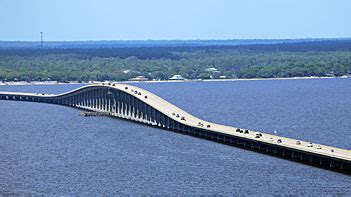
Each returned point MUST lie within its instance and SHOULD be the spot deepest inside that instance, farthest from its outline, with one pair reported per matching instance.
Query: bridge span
(139, 105)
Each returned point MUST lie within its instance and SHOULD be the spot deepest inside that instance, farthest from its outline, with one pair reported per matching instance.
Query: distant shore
(160, 81)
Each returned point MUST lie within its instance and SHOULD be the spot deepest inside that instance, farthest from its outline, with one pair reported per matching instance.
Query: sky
(73, 20)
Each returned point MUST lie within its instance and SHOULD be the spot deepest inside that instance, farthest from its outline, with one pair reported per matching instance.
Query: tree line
(322, 58)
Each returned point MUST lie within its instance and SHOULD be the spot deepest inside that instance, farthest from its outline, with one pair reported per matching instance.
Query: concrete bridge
(136, 104)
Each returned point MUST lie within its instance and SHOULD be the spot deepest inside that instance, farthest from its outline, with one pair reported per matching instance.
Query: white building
(211, 69)
(138, 78)
(177, 77)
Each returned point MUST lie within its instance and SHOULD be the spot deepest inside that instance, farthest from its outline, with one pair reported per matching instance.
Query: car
(258, 134)
(279, 141)
(298, 142)
(246, 131)
(310, 144)
(237, 130)
(183, 118)
(208, 126)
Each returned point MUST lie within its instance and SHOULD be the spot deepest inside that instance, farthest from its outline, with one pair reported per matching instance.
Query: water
(49, 149)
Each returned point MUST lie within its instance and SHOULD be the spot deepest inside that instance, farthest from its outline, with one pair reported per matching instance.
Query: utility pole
(41, 40)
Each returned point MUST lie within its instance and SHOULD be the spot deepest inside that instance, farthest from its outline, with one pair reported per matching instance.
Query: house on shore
(177, 77)
(139, 78)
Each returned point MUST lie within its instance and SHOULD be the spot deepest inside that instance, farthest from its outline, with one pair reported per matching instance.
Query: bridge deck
(191, 120)
(171, 111)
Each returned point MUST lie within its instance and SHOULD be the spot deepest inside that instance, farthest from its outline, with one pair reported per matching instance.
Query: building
(177, 77)
(126, 71)
(211, 69)
(138, 78)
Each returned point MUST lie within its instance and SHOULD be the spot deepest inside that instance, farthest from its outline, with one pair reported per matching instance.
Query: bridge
(139, 105)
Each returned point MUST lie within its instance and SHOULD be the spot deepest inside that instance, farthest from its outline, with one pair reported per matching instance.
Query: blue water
(49, 149)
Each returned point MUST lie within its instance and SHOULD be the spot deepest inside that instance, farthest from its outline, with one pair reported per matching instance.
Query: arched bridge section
(139, 105)
(119, 100)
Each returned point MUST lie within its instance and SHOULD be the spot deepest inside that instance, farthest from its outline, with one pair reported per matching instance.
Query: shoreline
(19, 83)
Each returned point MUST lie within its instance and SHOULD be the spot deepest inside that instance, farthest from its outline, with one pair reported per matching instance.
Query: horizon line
(195, 39)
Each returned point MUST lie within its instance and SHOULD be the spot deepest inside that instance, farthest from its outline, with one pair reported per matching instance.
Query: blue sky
(178, 19)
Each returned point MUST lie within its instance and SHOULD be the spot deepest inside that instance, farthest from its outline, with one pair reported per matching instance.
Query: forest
(277, 60)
